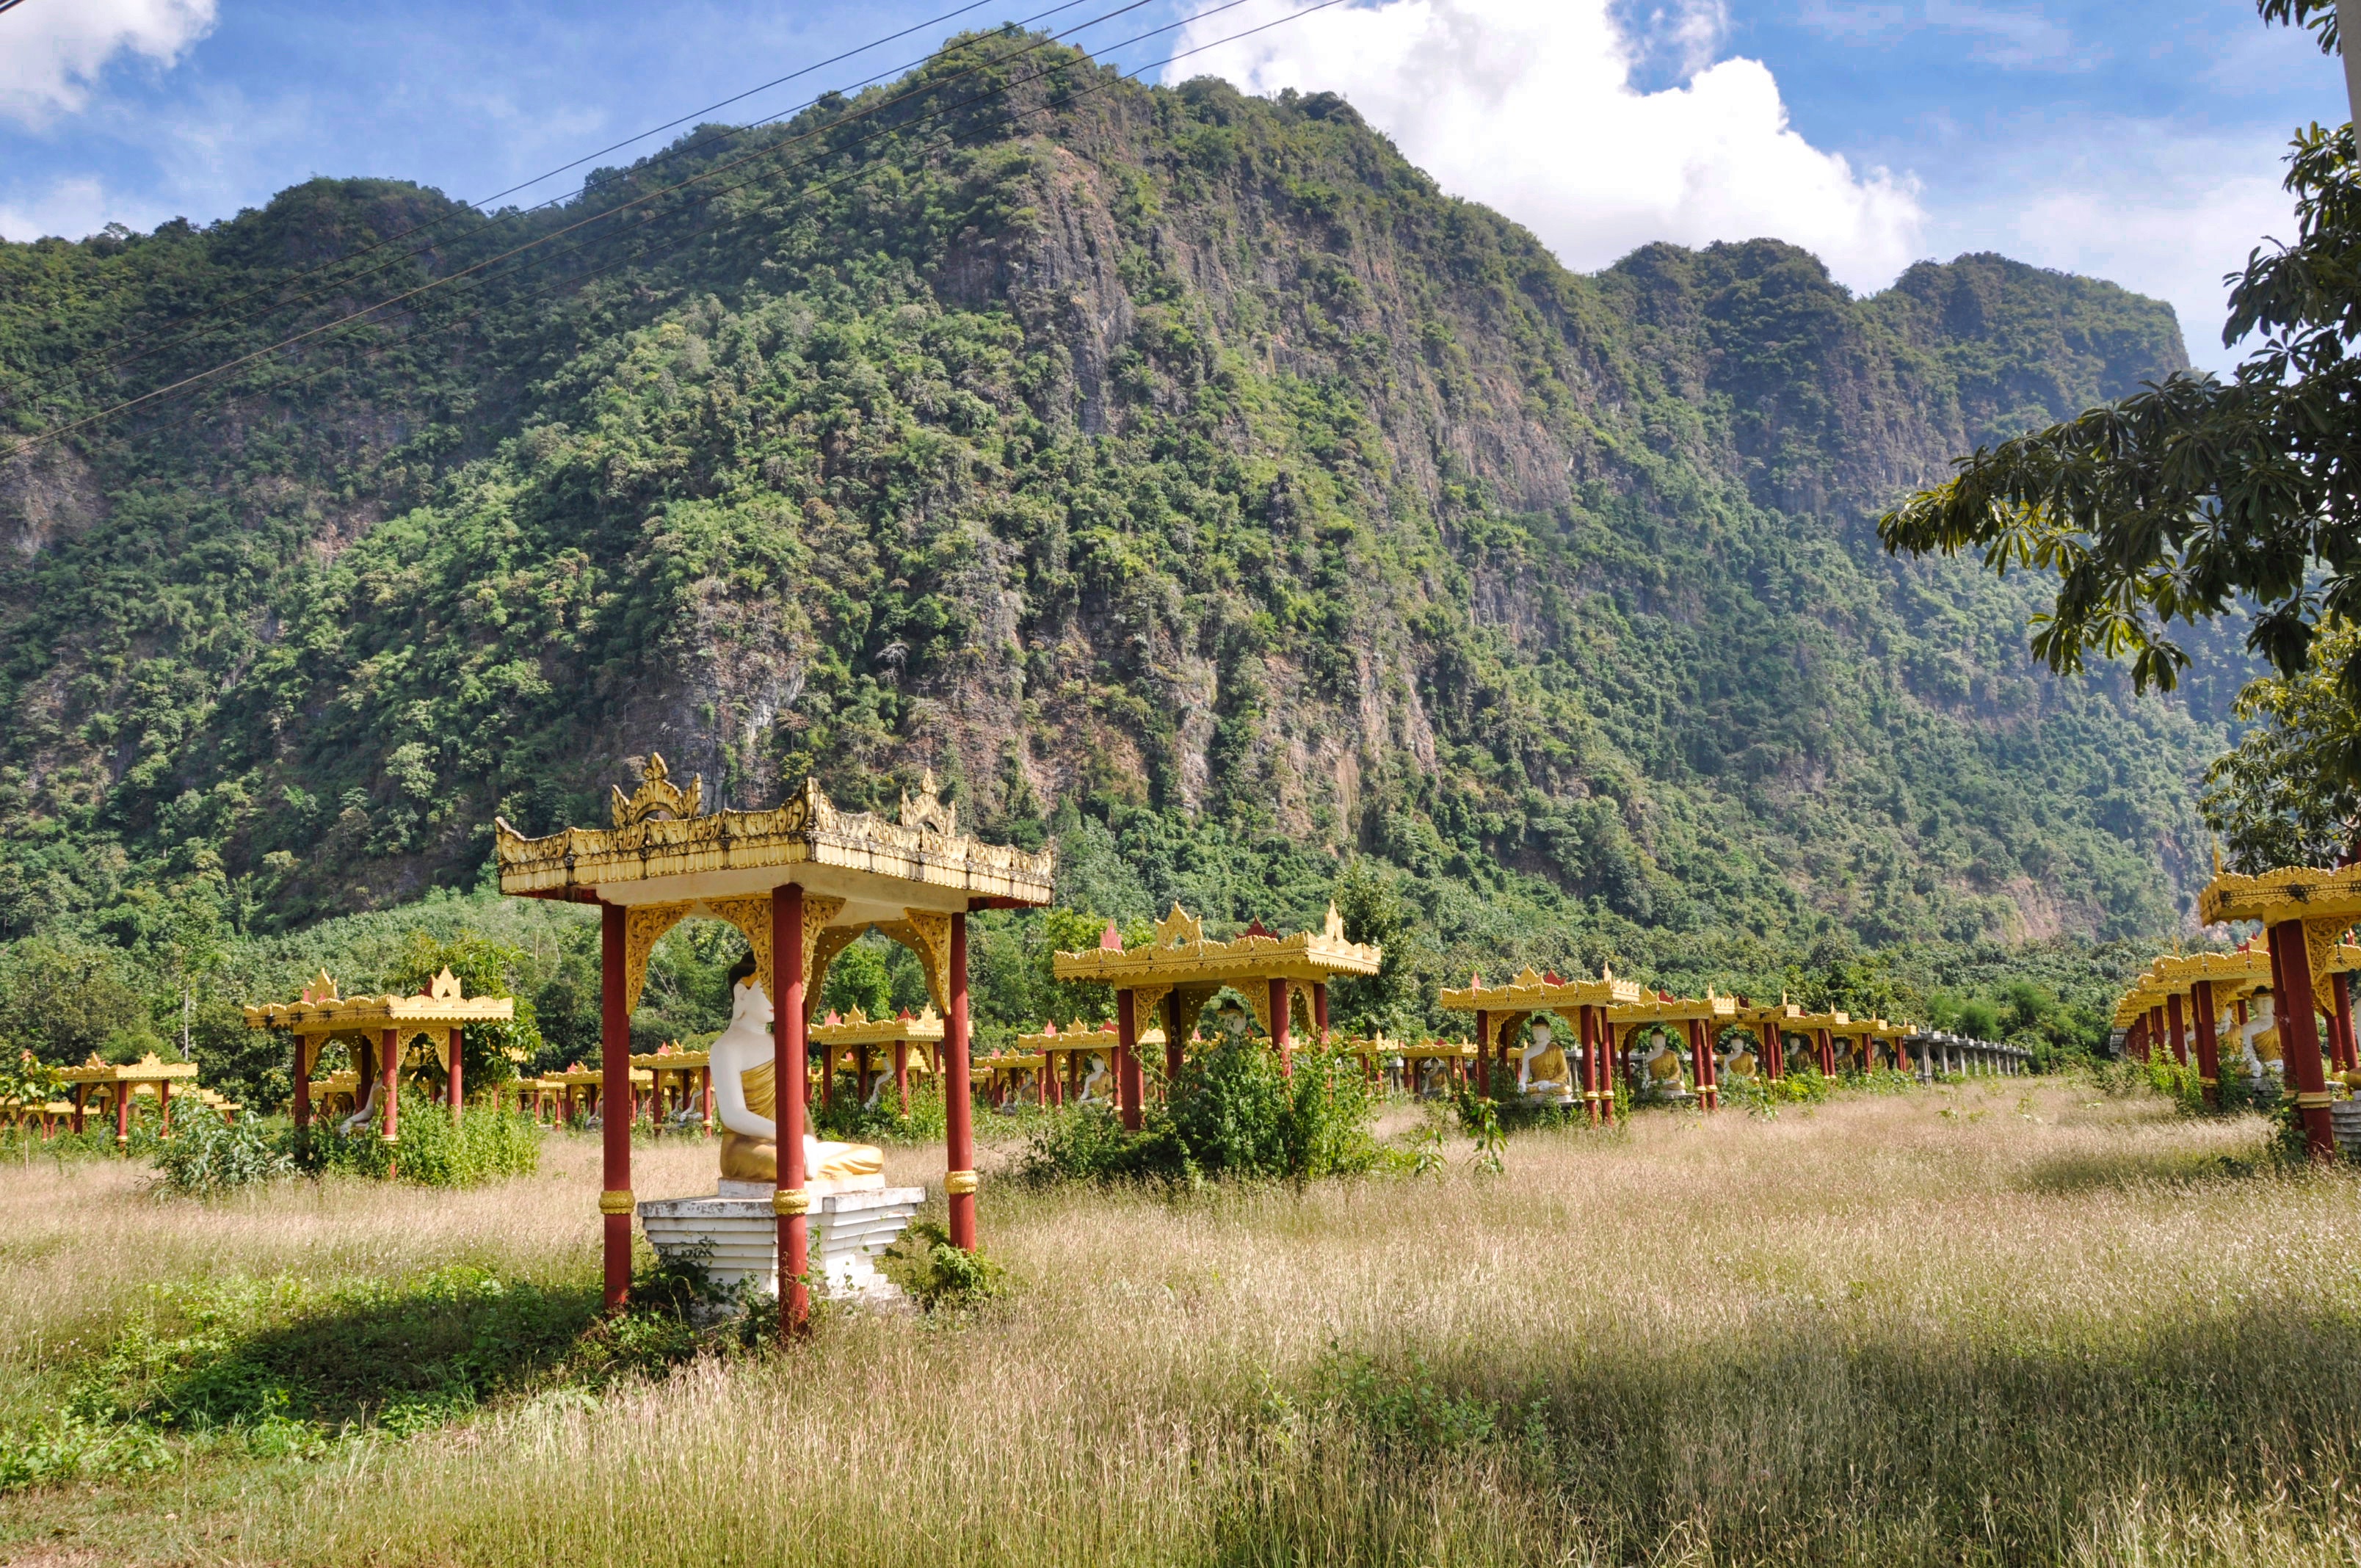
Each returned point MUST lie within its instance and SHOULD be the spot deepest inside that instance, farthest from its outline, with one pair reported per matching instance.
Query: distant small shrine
(1178, 969)
(1587, 1007)
(379, 1029)
(117, 1085)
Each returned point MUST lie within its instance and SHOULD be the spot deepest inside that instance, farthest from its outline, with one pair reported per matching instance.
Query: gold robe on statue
(745, 1158)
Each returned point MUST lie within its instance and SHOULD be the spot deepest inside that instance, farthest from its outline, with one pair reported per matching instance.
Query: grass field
(2012, 1323)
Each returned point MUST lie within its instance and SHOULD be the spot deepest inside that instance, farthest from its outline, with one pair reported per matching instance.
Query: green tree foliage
(2287, 794)
(2196, 498)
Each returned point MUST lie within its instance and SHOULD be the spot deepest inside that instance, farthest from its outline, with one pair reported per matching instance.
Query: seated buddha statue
(1664, 1072)
(1542, 1076)
(745, 1076)
(1098, 1084)
(1741, 1061)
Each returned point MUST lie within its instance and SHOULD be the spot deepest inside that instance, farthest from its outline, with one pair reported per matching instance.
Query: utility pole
(2352, 65)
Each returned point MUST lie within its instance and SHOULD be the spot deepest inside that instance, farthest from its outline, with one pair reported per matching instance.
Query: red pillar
(2175, 1022)
(302, 1105)
(1827, 1045)
(1483, 1072)
(459, 1089)
(1127, 1058)
(615, 1132)
(2300, 1037)
(704, 1095)
(2208, 1050)
(122, 1113)
(2136, 1039)
(1320, 1010)
(960, 1126)
(1281, 1027)
(163, 1107)
(1703, 1066)
(1174, 1057)
(1607, 1060)
(902, 1074)
(388, 1083)
(2340, 991)
(2158, 1041)
(790, 1054)
(1774, 1052)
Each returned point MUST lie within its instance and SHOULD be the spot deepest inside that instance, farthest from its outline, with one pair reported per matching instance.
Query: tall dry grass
(2038, 1327)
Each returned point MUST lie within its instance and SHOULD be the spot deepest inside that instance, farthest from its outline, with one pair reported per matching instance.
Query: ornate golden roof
(661, 848)
(1530, 993)
(1674, 1009)
(320, 1011)
(670, 1058)
(862, 1030)
(149, 1069)
(1081, 1039)
(2291, 893)
(1179, 954)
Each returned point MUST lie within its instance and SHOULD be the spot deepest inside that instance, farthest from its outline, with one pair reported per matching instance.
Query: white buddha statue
(2258, 1039)
(745, 1076)
(1430, 1078)
(1664, 1073)
(1741, 1063)
(1543, 1075)
(1098, 1084)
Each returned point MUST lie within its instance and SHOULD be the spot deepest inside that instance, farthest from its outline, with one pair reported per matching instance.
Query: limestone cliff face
(1171, 448)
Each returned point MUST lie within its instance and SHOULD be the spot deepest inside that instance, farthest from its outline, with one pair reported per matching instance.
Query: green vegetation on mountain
(1178, 474)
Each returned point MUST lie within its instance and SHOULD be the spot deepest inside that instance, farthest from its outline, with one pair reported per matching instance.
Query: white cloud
(74, 208)
(1531, 107)
(55, 48)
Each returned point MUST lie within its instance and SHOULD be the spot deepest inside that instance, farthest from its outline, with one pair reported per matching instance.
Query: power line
(352, 318)
(156, 342)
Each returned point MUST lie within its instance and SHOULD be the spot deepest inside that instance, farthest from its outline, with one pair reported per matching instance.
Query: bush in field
(1231, 1113)
(203, 1155)
(853, 1122)
(485, 1145)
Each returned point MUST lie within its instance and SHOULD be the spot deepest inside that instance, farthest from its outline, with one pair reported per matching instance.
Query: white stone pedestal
(739, 1237)
(2344, 1119)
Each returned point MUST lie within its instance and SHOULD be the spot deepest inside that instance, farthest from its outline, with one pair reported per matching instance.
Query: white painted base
(741, 1235)
(2345, 1117)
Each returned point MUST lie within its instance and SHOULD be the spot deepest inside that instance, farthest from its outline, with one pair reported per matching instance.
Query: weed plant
(1230, 1115)
(429, 1150)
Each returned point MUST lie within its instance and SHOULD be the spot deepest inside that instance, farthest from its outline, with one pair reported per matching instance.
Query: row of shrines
(803, 880)
(2282, 1016)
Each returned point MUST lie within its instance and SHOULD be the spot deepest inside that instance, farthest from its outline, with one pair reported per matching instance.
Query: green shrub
(852, 1121)
(485, 1145)
(203, 1155)
(938, 1275)
(1231, 1114)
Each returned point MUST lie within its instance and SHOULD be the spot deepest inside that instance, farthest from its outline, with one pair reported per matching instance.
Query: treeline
(169, 972)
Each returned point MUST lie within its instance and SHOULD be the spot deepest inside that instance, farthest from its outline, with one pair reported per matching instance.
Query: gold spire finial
(657, 795)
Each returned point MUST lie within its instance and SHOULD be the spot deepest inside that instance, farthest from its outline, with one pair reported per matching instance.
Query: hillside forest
(1179, 475)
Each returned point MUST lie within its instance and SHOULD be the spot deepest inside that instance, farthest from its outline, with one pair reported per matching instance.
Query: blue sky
(2136, 143)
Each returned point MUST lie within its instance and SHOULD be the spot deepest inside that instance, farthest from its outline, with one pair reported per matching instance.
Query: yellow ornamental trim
(804, 829)
(958, 1183)
(790, 1200)
(1530, 993)
(616, 1201)
(1178, 954)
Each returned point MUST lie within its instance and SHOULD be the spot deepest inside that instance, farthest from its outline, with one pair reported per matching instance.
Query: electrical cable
(353, 318)
(637, 201)
(157, 342)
